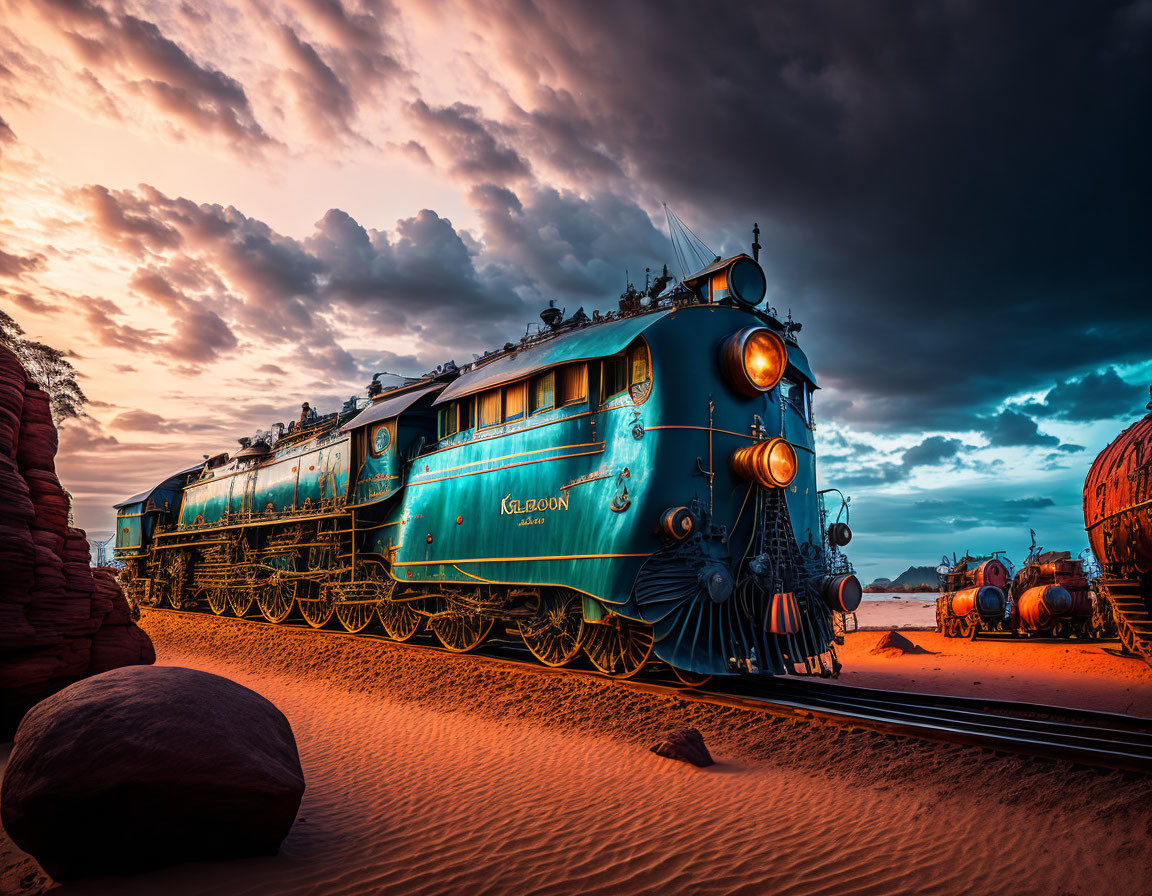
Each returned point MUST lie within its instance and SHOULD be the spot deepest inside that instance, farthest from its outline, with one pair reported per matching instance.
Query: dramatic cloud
(1100, 395)
(1013, 428)
(16, 265)
(952, 202)
(202, 99)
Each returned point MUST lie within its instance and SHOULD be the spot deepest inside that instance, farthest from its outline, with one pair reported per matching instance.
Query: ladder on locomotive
(1130, 609)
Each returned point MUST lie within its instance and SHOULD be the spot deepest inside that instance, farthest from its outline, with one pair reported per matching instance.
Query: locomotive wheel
(555, 635)
(355, 617)
(316, 612)
(218, 600)
(240, 600)
(1060, 630)
(275, 600)
(692, 679)
(619, 648)
(400, 621)
(971, 628)
(461, 633)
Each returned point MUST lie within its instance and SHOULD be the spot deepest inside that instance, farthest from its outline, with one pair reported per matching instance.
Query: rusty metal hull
(1118, 503)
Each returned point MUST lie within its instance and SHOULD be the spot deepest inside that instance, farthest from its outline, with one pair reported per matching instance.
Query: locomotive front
(744, 578)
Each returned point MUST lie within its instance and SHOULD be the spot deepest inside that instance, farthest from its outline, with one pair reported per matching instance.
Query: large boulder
(146, 766)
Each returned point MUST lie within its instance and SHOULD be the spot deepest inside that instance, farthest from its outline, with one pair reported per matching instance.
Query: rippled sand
(437, 774)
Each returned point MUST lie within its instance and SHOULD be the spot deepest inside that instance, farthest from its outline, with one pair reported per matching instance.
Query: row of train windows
(557, 388)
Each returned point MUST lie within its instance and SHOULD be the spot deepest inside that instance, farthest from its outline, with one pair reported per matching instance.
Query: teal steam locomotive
(623, 487)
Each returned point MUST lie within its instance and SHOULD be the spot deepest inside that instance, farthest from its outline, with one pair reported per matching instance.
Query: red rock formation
(60, 620)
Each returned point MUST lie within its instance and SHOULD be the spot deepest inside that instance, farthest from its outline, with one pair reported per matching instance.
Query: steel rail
(1087, 737)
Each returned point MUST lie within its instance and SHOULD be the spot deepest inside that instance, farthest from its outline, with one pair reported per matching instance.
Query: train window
(490, 407)
(571, 384)
(543, 392)
(515, 399)
(466, 413)
(446, 421)
(639, 364)
(614, 378)
(796, 394)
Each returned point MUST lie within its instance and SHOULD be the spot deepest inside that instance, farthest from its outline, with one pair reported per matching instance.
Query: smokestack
(756, 247)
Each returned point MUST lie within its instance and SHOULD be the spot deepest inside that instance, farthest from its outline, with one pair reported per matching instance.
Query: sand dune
(439, 774)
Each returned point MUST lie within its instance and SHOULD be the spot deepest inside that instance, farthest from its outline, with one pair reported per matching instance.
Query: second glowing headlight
(753, 360)
(771, 463)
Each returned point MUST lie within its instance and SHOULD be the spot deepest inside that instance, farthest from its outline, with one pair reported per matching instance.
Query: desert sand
(880, 612)
(431, 773)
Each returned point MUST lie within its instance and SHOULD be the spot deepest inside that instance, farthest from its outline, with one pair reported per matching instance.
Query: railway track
(1104, 740)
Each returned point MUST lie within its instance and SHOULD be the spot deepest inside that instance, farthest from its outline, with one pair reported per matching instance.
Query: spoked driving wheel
(619, 647)
(400, 621)
(218, 600)
(240, 600)
(316, 611)
(275, 599)
(355, 616)
(461, 632)
(555, 634)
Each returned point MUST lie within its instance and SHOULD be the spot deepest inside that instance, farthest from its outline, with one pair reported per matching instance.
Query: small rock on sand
(684, 744)
(147, 766)
(895, 644)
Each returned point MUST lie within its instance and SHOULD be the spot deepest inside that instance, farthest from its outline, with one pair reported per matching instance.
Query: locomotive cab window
(614, 376)
(542, 392)
(571, 384)
(515, 401)
(465, 413)
(799, 397)
(447, 422)
(628, 372)
(491, 408)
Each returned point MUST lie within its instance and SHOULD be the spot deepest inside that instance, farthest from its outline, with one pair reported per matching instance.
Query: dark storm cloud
(466, 141)
(1099, 395)
(932, 451)
(578, 246)
(960, 189)
(203, 99)
(1011, 428)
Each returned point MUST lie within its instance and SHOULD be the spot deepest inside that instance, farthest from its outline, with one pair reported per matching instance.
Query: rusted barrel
(1043, 605)
(992, 572)
(987, 599)
(1118, 502)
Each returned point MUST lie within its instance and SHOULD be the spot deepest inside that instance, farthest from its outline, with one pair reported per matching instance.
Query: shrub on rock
(184, 764)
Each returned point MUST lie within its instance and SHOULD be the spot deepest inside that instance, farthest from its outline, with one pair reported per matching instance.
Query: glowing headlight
(771, 463)
(753, 360)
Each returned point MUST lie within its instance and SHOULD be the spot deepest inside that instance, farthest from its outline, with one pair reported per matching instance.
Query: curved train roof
(389, 407)
(173, 483)
(582, 344)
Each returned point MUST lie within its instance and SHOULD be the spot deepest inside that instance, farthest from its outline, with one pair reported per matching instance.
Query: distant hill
(914, 578)
(917, 575)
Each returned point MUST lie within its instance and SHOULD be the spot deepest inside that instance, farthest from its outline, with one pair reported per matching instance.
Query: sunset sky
(222, 209)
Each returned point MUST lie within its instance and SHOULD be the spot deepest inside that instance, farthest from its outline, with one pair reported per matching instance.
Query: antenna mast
(691, 252)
